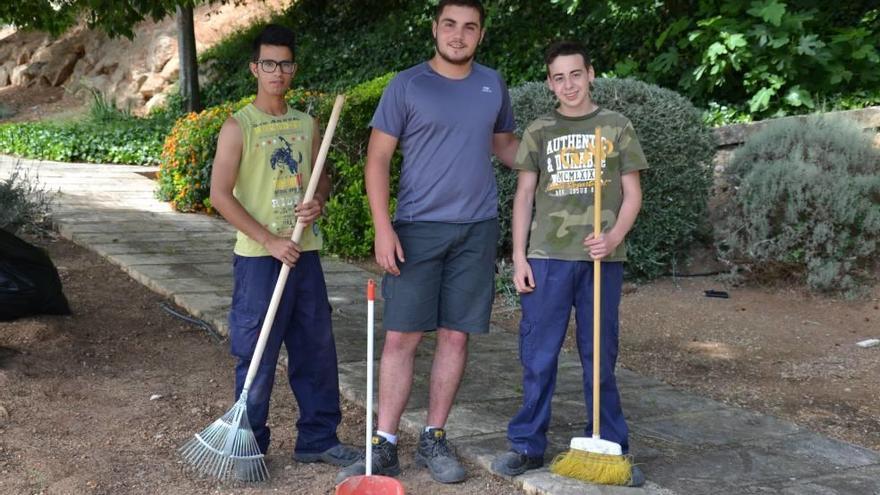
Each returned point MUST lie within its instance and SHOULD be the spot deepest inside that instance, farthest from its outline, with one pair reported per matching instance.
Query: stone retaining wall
(731, 137)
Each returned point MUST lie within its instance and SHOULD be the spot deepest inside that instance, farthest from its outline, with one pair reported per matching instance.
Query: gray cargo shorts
(448, 279)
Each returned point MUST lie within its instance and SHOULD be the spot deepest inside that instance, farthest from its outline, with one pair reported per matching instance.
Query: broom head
(227, 448)
(595, 461)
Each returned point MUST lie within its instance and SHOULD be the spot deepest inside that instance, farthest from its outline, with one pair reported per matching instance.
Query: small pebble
(868, 343)
(155, 397)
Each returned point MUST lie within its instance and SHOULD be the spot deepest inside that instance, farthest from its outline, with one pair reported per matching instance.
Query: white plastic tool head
(596, 445)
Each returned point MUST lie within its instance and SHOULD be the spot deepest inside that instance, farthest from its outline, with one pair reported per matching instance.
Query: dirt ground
(76, 415)
(778, 351)
(32, 104)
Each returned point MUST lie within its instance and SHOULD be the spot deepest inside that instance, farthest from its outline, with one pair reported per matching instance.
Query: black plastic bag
(29, 282)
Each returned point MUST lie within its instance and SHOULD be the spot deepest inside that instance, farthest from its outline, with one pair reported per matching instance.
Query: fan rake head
(227, 449)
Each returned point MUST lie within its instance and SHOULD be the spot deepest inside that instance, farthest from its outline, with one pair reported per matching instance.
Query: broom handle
(371, 297)
(297, 234)
(597, 273)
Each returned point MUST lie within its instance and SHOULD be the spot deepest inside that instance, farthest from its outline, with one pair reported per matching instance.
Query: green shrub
(806, 202)
(24, 202)
(679, 149)
(134, 143)
(185, 168)
(107, 135)
(188, 152)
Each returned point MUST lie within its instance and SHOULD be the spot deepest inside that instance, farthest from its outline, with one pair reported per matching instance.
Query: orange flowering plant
(188, 152)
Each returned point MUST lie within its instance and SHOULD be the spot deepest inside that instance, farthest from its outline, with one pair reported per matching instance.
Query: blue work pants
(559, 286)
(303, 325)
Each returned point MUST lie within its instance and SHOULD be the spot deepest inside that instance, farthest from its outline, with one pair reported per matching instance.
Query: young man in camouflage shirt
(556, 174)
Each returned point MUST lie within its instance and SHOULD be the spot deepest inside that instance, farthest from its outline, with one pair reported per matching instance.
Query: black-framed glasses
(269, 66)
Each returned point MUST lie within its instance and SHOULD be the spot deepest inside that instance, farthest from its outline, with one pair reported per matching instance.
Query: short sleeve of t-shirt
(504, 122)
(527, 153)
(390, 114)
(631, 154)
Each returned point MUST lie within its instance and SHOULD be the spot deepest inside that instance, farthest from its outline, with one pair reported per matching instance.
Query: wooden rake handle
(295, 237)
(598, 155)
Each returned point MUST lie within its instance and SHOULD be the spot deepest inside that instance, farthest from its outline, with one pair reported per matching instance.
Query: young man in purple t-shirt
(449, 115)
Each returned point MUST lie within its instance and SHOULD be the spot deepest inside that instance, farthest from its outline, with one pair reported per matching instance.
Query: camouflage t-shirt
(560, 149)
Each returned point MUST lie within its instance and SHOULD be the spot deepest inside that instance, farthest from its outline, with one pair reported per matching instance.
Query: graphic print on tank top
(288, 185)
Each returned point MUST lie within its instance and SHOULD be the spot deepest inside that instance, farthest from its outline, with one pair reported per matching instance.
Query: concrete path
(686, 444)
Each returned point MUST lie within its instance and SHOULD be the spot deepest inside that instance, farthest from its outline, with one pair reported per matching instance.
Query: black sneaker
(637, 477)
(434, 454)
(384, 461)
(512, 463)
(338, 455)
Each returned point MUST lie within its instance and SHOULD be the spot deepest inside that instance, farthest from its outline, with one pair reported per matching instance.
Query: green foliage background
(739, 59)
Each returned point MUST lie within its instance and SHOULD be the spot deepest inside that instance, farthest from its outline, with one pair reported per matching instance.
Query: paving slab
(216, 255)
(844, 482)
(93, 238)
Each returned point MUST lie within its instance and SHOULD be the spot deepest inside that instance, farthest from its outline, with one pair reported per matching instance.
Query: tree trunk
(189, 69)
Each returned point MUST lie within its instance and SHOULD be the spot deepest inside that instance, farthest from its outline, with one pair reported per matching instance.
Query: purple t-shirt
(445, 128)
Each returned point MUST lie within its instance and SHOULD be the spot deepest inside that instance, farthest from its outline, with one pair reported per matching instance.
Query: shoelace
(440, 448)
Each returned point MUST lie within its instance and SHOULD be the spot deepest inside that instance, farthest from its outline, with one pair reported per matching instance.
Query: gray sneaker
(384, 461)
(434, 453)
(338, 455)
(512, 463)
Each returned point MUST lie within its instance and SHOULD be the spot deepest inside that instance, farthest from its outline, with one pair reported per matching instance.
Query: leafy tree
(116, 18)
(765, 57)
(771, 54)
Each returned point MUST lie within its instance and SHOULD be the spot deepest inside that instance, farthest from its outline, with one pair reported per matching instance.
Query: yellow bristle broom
(592, 459)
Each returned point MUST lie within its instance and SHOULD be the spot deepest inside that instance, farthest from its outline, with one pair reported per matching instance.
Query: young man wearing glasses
(264, 158)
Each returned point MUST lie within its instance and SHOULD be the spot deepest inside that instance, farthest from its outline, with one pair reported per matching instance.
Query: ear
(549, 83)
(434, 28)
(591, 74)
(253, 68)
(482, 35)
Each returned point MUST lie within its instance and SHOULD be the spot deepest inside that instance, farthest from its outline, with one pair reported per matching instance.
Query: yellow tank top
(276, 163)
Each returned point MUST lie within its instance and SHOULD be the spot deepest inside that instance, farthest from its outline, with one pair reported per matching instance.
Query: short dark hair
(474, 4)
(566, 47)
(273, 34)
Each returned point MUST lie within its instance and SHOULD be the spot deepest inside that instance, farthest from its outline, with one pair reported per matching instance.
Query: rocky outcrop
(135, 74)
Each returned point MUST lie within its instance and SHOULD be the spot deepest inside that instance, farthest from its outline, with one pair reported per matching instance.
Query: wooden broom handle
(598, 150)
(295, 237)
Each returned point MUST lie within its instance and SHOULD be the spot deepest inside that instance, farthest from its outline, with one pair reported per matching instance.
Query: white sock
(387, 436)
(429, 428)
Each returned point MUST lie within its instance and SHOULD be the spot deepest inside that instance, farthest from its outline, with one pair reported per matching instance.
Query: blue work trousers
(303, 325)
(559, 285)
